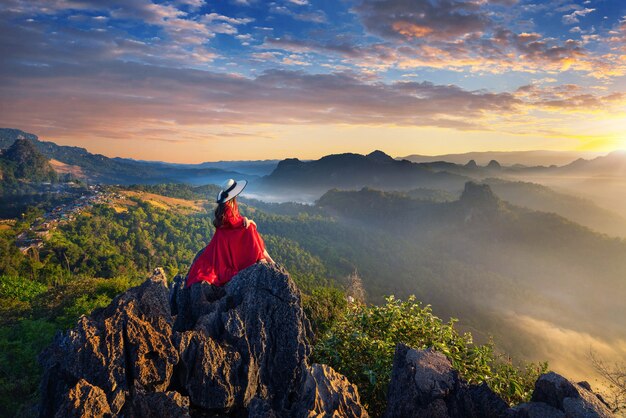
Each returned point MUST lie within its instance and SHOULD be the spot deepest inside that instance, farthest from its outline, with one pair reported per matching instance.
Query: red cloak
(232, 249)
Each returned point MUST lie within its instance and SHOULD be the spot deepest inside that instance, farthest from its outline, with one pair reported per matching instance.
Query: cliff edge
(239, 350)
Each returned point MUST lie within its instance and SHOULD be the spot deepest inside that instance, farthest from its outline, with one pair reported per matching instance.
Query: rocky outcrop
(238, 350)
(424, 384)
(572, 400)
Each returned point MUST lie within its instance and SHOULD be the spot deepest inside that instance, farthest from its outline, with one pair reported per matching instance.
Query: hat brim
(236, 191)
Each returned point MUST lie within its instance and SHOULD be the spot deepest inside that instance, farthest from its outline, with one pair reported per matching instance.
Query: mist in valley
(538, 263)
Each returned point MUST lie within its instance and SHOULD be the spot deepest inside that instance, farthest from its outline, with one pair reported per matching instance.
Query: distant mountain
(486, 261)
(102, 169)
(355, 171)
(537, 197)
(249, 168)
(22, 161)
(507, 158)
(612, 165)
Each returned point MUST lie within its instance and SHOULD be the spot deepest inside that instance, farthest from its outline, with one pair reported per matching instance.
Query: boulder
(576, 400)
(535, 410)
(238, 350)
(424, 384)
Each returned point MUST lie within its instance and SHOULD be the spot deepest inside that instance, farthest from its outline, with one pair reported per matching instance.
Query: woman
(235, 245)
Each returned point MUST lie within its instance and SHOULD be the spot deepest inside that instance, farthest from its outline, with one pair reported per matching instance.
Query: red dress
(232, 249)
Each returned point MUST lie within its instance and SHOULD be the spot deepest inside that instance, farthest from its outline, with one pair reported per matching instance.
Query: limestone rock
(327, 393)
(84, 401)
(424, 384)
(237, 350)
(128, 342)
(159, 404)
(536, 410)
(574, 399)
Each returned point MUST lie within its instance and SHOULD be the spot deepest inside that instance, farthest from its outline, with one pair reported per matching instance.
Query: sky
(206, 80)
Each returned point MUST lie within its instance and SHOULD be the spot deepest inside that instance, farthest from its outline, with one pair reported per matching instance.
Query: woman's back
(235, 246)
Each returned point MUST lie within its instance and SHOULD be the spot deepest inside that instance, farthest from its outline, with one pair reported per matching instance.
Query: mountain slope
(102, 169)
(612, 165)
(528, 158)
(583, 211)
(23, 161)
(355, 171)
(511, 272)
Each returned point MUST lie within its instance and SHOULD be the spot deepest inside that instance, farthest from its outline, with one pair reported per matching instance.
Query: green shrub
(20, 373)
(323, 307)
(361, 345)
(19, 288)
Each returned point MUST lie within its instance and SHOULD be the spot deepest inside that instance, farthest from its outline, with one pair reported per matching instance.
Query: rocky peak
(288, 163)
(471, 164)
(479, 196)
(238, 350)
(380, 156)
(494, 165)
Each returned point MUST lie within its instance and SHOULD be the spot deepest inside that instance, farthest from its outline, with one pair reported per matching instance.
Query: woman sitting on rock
(235, 245)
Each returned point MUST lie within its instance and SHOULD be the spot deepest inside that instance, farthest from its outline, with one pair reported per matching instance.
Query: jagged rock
(128, 342)
(424, 384)
(259, 317)
(327, 393)
(84, 400)
(159, 404)
(574, 399)
(238, 350)
(535, 410)
(209, 373)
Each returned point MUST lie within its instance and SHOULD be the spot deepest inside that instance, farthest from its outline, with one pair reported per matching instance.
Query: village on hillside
(34, 237)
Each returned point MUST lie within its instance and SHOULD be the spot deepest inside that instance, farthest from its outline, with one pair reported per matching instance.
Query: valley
(537, 270)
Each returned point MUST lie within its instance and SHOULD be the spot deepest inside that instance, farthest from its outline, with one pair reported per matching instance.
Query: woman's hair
(225, 210)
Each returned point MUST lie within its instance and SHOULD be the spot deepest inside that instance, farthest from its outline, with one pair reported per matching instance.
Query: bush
(361, 345)
(19, 369)
(323, 307)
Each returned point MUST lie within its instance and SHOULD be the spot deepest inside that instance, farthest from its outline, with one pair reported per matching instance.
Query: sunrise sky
(196, 80)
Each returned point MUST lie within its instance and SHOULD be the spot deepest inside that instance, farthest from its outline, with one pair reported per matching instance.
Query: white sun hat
(230, 190)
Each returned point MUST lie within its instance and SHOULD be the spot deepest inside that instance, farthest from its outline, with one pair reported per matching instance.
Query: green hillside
(23, 162)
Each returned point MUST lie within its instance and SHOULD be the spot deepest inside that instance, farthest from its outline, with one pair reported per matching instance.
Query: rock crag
(239, 350)
(424, 384)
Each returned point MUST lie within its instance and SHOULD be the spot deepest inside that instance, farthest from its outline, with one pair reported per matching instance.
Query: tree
(354, 288)
(615, 377)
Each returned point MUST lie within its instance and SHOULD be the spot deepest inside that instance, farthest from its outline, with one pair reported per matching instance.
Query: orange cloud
(411, 30)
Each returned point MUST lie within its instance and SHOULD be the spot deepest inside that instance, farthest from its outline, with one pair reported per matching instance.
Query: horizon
(583, 154)
(189, 81)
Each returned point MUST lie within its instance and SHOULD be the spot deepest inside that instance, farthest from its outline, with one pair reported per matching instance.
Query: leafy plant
(361, 345)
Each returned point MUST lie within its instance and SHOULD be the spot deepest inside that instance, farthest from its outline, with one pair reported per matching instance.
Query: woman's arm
(267, 257)
(247, 222)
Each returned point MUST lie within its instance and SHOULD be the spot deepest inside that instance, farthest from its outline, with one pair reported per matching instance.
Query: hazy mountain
(248, 168)
(542, 198)
(520, 273)
(508, 158)
(355, 171)
(612, 165)
(22, 161)
(102, 169)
